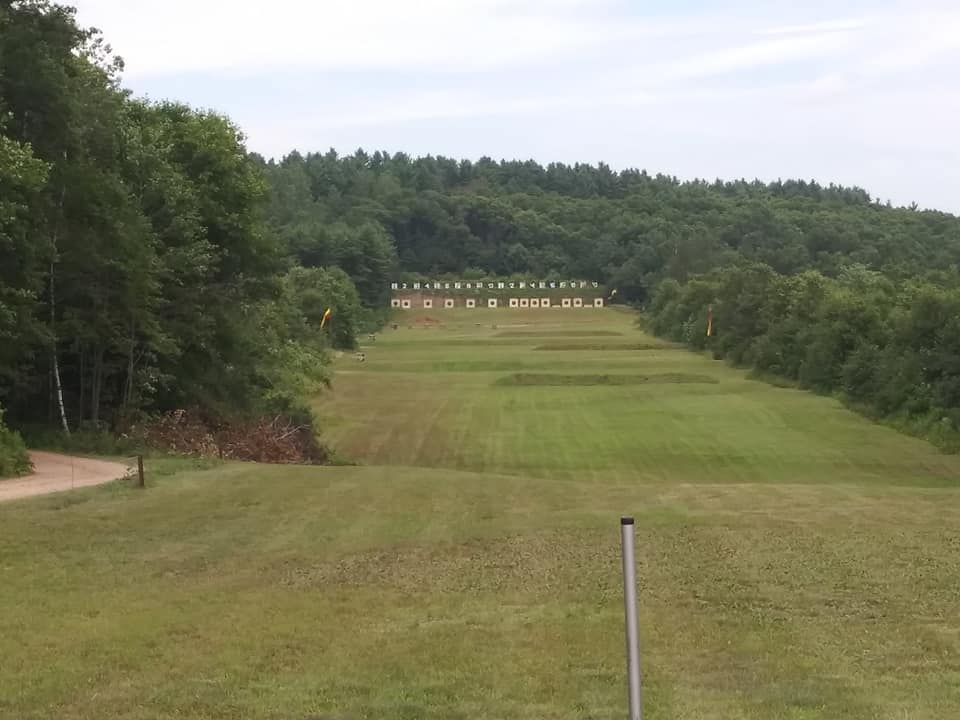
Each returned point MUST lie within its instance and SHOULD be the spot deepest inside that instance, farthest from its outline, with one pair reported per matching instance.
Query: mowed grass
(445, 395)
(475, 573)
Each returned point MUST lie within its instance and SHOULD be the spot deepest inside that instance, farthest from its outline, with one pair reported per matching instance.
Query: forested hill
(629, 229)
(823, 286)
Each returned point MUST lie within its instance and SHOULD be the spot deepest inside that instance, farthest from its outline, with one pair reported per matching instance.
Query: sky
(850, 92)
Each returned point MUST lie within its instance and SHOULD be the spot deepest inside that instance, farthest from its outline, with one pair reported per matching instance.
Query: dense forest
(150, 262)
(628, 229)
(138, 274)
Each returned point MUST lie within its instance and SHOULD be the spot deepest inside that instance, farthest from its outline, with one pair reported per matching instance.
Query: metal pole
(630, 612)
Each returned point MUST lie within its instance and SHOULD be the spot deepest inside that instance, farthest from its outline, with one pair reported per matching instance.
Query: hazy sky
(860, 93)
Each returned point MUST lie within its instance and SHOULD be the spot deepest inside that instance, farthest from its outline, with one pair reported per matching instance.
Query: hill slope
(771, 586)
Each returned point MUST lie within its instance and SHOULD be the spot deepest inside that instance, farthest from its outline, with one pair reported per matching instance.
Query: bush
(14, 459)
(81, 441)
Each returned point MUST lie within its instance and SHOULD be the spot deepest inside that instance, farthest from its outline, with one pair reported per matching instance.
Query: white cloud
(761, 54)
(913, 41)
(822, 27)
(446, 35)
(405, 108)
(781, 89)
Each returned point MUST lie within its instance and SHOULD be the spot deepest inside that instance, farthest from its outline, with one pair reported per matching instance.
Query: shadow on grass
(554, 380)
(557, 333)
(607, 346)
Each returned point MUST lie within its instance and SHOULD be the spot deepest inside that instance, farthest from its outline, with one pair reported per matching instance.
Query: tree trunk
(83, 382)
(96, 385)
(50, 403)
(128, 385)
(53, 308)
(53, 348)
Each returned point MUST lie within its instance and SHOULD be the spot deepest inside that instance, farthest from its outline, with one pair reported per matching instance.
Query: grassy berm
(795, 560)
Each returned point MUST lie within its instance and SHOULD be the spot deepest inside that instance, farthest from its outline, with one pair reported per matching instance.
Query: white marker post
(630, 611)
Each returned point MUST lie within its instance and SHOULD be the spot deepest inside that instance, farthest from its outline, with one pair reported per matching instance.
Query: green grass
(430, 398)
(795, 561)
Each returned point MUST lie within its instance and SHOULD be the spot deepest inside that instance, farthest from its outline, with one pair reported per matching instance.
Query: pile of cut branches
(272, 440)
(268, 439)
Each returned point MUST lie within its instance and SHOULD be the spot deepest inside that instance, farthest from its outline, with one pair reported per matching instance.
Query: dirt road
(56, 473)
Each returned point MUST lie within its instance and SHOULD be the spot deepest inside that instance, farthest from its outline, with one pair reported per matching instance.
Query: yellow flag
(326, 316)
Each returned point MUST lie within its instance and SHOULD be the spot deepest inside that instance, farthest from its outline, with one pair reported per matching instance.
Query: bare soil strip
(55, 473)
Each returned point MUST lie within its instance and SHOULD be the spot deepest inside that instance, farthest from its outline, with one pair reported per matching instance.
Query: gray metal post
(630, 612)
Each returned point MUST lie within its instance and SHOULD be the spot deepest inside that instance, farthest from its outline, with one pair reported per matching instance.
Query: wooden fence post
(140, 471)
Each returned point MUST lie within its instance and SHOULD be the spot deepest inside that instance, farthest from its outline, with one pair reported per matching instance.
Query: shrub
(14, 459)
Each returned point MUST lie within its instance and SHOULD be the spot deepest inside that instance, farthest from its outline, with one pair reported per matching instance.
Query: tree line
(138, 273)
(628, 229)
(888, 346)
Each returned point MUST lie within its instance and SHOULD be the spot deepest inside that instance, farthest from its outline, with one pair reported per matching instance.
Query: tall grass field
(795, 561)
